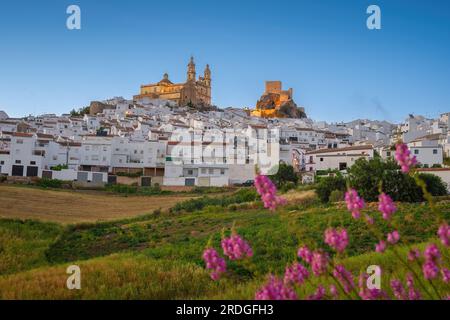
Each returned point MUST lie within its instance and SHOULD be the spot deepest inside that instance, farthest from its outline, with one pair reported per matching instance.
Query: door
(46, 174)
(17, 171)
(146, 181)
(32, 171)
(82, 176)
(189, 182)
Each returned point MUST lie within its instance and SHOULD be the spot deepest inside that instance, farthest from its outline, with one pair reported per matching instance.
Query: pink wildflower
(413, 254)
(444, 234)
(319, 294)
(236, 248)
(386, 206)
(366, 293)
(305, 254)
(333, 291)
(404, 158)
(337, 239)
(345, 278)
(430, 270)
(214, 262)
(268, 192)
(354, 203)
(445, 275)
(393, 237)
(380, 247)
(398, 290)
(432, 252)
(413, 293)
(319, 263)
(296, 273)
(369, 219)
(275, 289)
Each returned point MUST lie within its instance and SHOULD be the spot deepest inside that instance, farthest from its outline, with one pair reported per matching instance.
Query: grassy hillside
(159, 256)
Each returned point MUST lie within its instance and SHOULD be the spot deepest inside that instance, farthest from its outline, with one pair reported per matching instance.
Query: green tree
(284, 175)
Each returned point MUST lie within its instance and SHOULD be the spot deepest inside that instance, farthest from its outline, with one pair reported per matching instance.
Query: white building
(336, 159)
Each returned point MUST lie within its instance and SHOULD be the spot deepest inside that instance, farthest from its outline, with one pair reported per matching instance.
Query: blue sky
(338, 68)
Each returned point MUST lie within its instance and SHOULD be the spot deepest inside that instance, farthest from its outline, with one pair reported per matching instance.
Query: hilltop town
(170, 134)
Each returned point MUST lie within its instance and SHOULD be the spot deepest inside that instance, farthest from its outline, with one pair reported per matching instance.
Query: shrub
(329, 184)
(49, 183)
(59, 167)
(336, 196)
(241, 196)
(435, 185)
(285, 174)
(287, 186)
(367, 175)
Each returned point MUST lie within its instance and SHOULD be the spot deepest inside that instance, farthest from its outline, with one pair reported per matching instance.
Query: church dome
(165, 79)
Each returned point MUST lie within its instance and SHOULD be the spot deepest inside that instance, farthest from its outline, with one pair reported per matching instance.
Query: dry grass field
(75, 206)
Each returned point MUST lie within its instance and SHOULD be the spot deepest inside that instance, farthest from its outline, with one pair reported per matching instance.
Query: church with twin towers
(194, 91)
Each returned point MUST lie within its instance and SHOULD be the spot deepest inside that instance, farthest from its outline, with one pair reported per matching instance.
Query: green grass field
(159, 256)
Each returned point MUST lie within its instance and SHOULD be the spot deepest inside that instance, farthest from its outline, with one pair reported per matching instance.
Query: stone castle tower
(194, 91)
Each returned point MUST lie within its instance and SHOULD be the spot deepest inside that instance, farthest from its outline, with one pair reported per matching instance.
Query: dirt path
(74, 207)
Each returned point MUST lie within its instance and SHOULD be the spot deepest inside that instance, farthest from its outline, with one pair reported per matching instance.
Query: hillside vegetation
(158, 256)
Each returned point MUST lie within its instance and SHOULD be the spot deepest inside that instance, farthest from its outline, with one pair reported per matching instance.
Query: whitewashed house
(336, 159)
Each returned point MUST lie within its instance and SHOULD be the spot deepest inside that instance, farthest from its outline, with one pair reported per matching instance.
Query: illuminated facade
(194, 91)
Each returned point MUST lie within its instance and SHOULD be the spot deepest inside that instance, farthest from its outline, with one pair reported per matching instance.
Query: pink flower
(432, 252)
(398, 290)
(236, 248)
(319, 294)
(380, 247)
(354, 203)
(337, 239)
(386, 206)
(296, 273)
(333, 291)
(393, 237)
(430, 270)
(214, 262)
(413, 293)
(366, 293)
(275, 289)
(369, 219)
(305, 254)
(268, 192)
(444, 234)
(345, 278)
(404, 158)
(319, 263)
(413, 254)
(445, 275)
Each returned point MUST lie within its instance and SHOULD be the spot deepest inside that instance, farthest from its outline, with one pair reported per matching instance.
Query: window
(19, 141)
(55, 158)
(388, 154)
(416, 151)
(2, 162)
(222, 171)
(33, 162)
(321, 159)
(204, 170)
(434, 151)
(18, 162)
(190, 172)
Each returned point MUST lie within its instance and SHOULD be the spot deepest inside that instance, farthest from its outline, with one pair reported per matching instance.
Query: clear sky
(338, 68)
